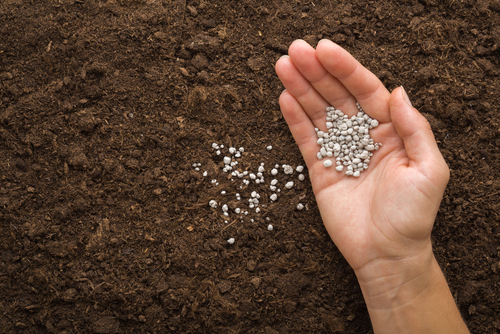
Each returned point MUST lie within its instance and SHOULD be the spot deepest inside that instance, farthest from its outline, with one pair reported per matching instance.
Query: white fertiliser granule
(347, 141)
(239, 171)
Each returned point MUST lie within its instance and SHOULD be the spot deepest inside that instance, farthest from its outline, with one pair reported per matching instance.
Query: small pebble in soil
(300, 206)
(269, 148)
(270, 227)
(230, 241)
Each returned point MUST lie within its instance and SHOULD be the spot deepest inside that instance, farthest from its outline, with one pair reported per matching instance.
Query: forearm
(415, 300)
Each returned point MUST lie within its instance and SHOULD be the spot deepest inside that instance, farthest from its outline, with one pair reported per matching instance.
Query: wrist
(391, 283)
(410, 296)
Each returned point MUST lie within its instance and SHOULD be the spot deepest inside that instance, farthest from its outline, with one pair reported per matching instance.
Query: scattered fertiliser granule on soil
(255, 188)
(347, 142)
(287, 169)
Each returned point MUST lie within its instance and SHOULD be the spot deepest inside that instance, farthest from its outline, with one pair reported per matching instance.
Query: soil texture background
(105, 106)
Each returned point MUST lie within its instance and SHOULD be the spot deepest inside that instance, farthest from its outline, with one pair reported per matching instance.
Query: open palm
(388, 212)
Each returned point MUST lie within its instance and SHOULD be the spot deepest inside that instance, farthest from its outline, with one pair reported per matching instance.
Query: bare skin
(382, 220)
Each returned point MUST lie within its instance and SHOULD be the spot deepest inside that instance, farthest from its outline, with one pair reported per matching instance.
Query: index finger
(366, 88)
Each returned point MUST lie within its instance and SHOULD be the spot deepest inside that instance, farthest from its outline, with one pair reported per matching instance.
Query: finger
(419, 141)
(304, 93)
(301, 127)
(330, 88)
(366, 88)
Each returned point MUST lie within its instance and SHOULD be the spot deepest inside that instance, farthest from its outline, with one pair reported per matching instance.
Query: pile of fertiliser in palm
(347, 141)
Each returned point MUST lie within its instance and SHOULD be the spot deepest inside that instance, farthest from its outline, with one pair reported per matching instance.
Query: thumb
(416, 132)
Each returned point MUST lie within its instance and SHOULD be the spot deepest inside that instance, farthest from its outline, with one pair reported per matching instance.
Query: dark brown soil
(105, 105)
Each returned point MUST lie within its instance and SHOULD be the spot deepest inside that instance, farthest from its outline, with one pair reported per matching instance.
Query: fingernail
(407, 99)
(285, 56)
(323, 40)
(297, 40)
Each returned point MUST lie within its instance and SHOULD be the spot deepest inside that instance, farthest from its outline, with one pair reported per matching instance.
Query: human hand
(386, 215)
(382, 220)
